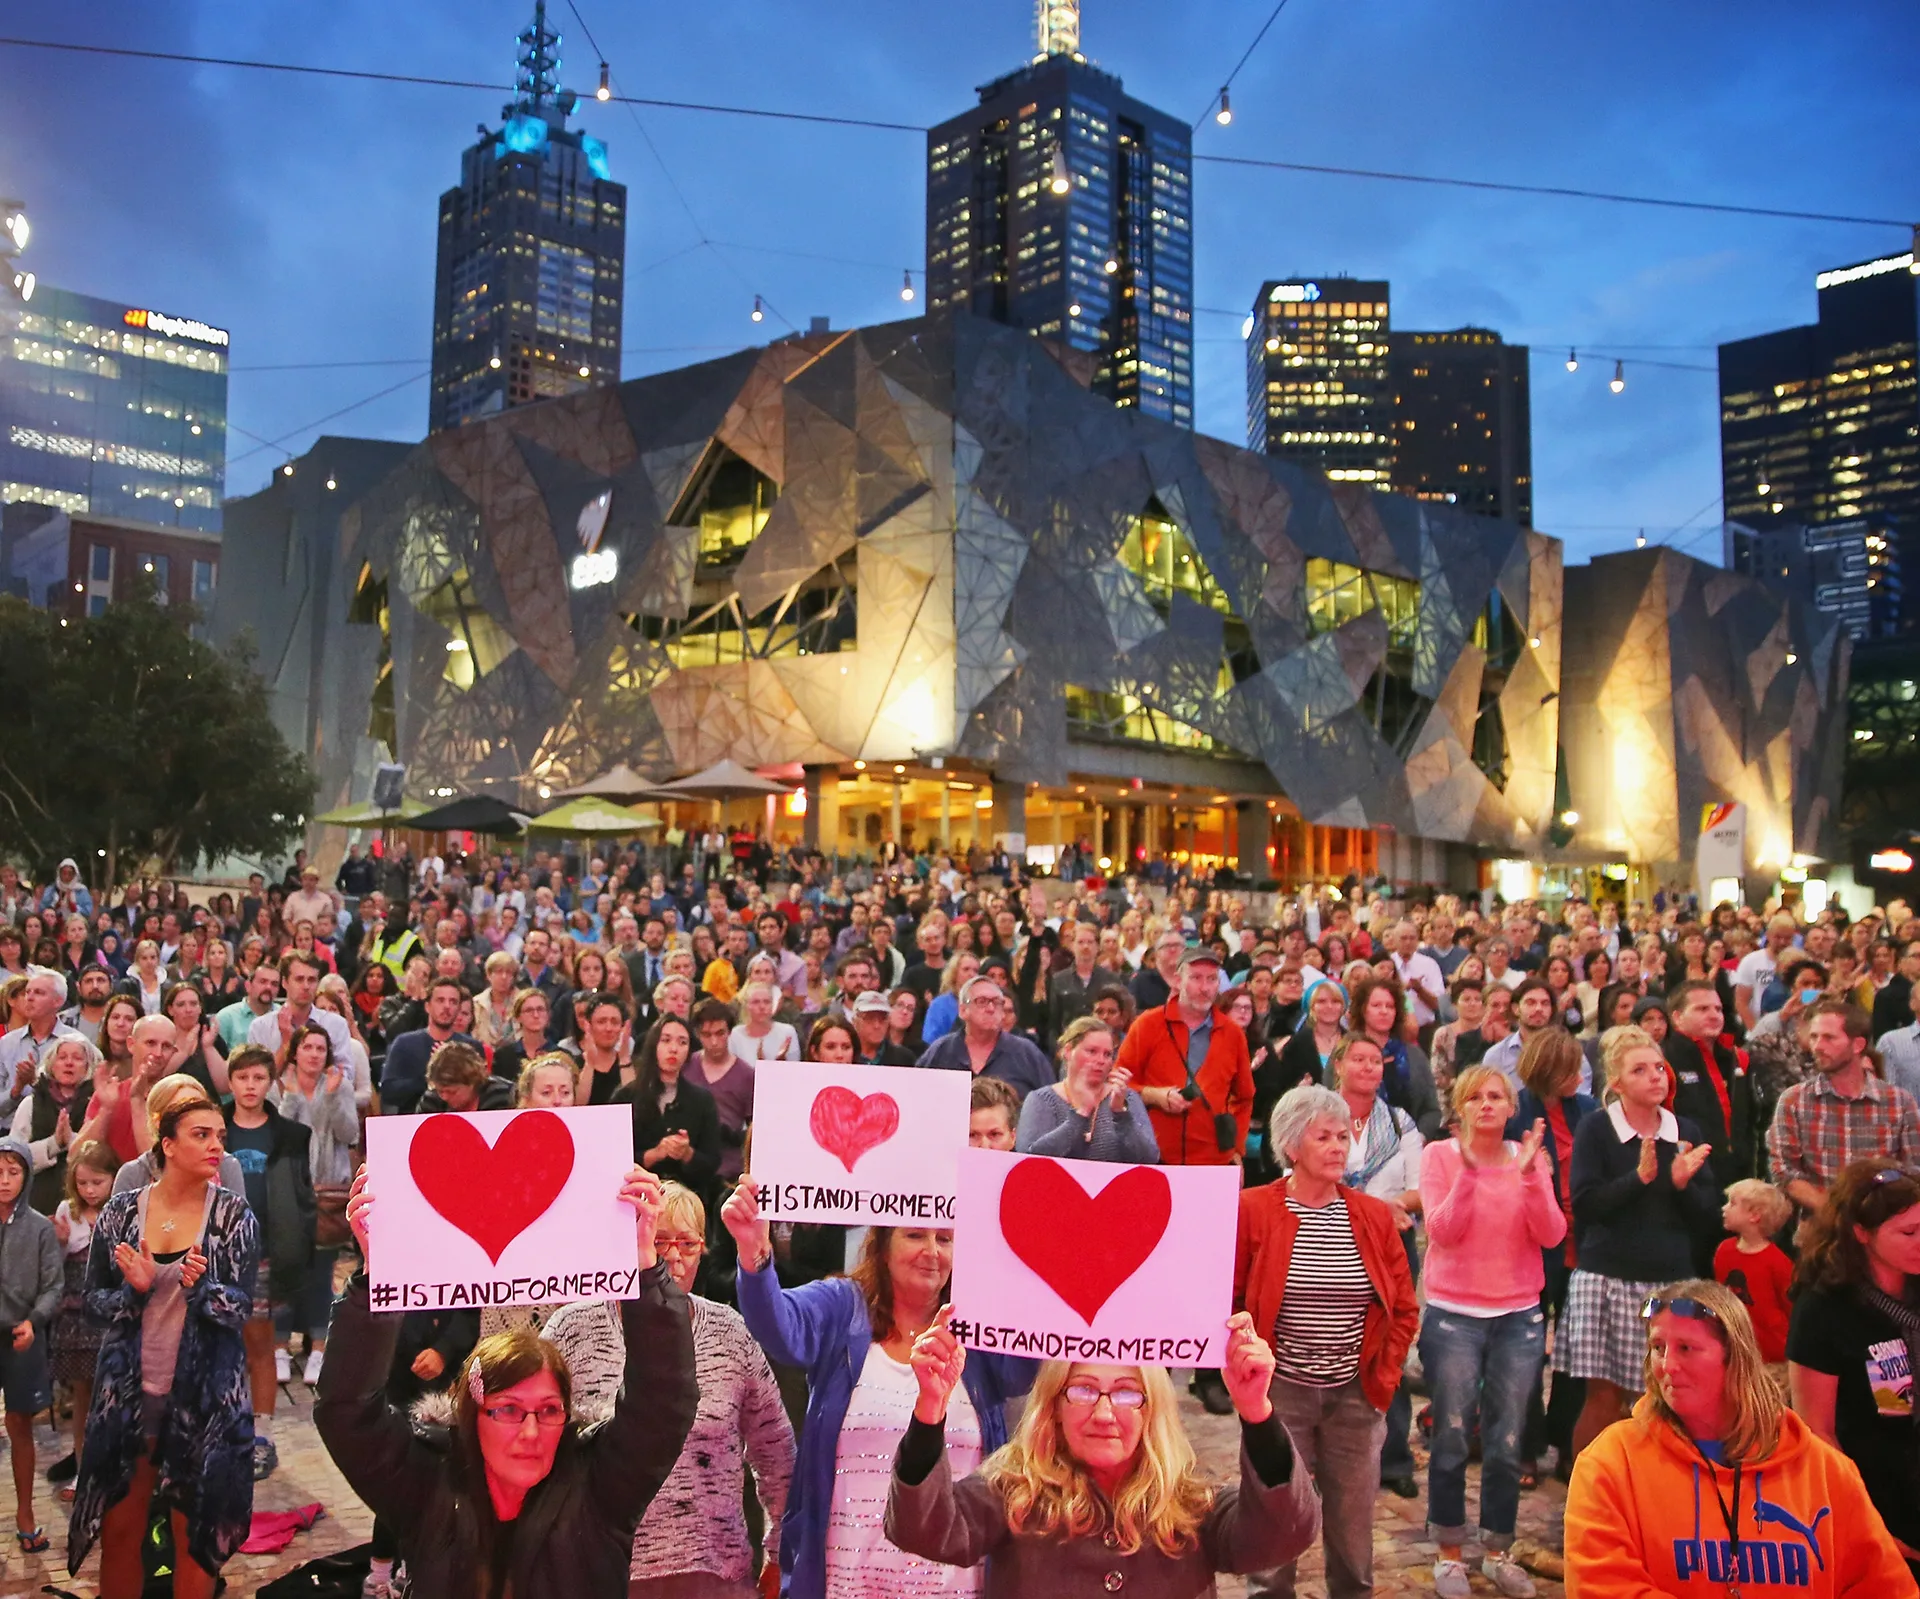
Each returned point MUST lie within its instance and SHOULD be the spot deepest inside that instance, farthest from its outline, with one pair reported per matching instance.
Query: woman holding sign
(1100, 1486)
(1096, 1114)
(853, 1335)
(516, 1497)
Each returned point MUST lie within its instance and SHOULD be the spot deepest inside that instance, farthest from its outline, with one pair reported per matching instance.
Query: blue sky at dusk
(301, 213)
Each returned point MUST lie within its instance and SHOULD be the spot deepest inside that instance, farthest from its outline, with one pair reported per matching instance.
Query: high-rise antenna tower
(1057, 25)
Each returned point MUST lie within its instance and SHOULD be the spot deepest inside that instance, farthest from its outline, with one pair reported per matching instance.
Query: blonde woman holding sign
(1100, 1486)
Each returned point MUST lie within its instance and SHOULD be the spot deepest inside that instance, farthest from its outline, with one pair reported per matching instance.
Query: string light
(493, 361)
(759, 312)
(287, 470)
(906, 284)
(1573, 360)
(1060, 182)
(585, 370)
(1619, 380)
(1113, 265)
(1640, 539)
(605, 91)
(1225, 114)
(1074, 309)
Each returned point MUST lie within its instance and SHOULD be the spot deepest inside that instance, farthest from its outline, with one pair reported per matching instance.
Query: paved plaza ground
(1404, 1559)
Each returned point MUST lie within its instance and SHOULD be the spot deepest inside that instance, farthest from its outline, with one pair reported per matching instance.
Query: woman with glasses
(1856, 1334)
(692, 1542)
(515, 1496)
(853, 1336)
(1713, 1487)
(1100, 1485)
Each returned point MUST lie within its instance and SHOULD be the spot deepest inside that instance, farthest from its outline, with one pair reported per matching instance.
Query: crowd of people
(1627, 1194)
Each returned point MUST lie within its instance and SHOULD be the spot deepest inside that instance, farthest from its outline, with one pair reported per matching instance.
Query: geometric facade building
(929, 539)
(530, 275)
(1686, 685)
(1062, 205)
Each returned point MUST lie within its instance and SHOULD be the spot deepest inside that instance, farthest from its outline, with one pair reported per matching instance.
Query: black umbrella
(470, 813)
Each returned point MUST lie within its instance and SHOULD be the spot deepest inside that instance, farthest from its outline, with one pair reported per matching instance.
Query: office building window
(202, 582)
(100, 565)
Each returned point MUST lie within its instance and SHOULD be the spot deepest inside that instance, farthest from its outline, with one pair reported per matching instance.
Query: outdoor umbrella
(368, 815)
(580, 817)
(470, 813)
(724, 780)
(620, 782)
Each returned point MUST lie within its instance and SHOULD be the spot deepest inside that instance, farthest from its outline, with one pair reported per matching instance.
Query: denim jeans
(1396, 1455)
(1337, 1436)
(1484, 1364)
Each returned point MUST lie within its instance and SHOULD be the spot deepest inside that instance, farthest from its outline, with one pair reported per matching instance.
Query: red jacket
(1263, 1250)
(1155, 1052)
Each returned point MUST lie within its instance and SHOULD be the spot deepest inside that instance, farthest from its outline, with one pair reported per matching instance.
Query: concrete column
(1252, 829)
(1009, 816)
(810, 785)
(828, 808)
(1123, 838)
(946, 815)
(895, 812)
(1099, 838)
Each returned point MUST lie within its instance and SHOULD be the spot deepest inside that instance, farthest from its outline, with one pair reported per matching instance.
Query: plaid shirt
(1817, 1133)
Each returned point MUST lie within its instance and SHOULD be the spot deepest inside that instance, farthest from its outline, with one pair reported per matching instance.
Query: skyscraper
(1462, 427)
(1822, 423)
(1318, 387)
(1061, 204)
(108, 409)
(528, 288)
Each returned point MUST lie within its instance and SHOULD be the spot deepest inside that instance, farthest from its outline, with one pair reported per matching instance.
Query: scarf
(1379, 1142)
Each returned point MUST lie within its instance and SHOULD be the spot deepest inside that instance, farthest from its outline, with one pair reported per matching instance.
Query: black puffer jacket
(573, 1538)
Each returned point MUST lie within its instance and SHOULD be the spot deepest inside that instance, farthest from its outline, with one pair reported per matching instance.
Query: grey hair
(1298, 1109)
(58, 979)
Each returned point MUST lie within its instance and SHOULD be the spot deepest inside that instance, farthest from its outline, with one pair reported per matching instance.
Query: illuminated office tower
(1462, 427)
(1318, 386)
(1061, 204)
(528, 287)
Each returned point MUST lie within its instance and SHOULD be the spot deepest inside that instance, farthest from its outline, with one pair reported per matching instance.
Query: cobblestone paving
(1403, 1557)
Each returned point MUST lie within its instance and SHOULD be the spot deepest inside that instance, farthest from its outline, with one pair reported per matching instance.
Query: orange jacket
(1155, 1052)
(1643, 1520)
(1263, 1249)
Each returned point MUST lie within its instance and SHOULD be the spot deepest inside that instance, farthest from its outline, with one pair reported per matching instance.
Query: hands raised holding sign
(937, 1360)
(741, 1213)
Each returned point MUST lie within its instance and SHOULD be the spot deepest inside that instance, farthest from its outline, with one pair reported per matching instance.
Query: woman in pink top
(1490, 1210)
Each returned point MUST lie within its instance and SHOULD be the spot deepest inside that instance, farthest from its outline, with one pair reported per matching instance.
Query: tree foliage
(123, 733)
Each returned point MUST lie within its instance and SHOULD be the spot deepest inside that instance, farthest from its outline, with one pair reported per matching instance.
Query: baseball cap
(1193, 954)
(872, 1001)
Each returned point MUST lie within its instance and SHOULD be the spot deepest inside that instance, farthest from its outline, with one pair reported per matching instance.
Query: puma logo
(1765, 1512)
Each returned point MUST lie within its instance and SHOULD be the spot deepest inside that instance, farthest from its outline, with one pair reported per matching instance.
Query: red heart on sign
(847, 1126)
(492, 1195)
(1083, 1246)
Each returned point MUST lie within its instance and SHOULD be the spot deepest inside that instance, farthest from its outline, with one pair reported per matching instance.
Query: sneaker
(1450, 1580)
(312, 1373)
(265, 1459)
(282, 1366)
(1506, 1575)
(63, 1469)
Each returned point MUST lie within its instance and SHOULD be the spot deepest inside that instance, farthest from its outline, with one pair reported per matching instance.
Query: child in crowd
(30, 1278)
(74, 1341)
(1755, 1267)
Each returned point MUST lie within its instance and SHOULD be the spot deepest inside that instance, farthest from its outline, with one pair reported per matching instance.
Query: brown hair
(829, 1024)
(993, 1093)
(170, 1119)
(96, 1154)
(1831, 1255)
(875, 1282)
(454, 1062)
(1551, 1057)
(1363, 990)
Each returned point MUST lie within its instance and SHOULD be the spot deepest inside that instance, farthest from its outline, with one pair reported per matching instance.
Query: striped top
(1324, 1310)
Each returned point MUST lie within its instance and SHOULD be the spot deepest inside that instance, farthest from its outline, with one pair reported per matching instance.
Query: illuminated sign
(592, 522)
(1891, 860)
(175, 327)
(1289, 293)
(594, 568)
(1866, 269)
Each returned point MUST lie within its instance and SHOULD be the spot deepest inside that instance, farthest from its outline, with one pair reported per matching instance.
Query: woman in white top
(334, 996)
(760, 1037)
(146, 981)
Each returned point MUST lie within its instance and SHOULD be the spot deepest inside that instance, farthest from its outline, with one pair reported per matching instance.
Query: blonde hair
(1074, 1031)
(1616, 1044)
(1774, 1207)
(169, 1091)
(1475, 1077)
(1046, 1492)
(1753, 1401)
(553, 1059)
(679, 1203)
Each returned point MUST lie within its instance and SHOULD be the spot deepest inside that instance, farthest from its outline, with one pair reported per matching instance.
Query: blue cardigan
(823, 1327)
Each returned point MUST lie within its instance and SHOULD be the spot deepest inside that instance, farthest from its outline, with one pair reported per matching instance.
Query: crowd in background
(1484, 1150)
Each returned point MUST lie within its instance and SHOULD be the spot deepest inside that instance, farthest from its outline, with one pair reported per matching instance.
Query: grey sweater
(30, 1269)
(1049, 1125)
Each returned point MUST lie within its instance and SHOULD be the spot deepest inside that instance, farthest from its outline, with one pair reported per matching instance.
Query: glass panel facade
(1337, 593)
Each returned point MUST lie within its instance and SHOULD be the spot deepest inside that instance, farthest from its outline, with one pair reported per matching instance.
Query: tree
(122, 736)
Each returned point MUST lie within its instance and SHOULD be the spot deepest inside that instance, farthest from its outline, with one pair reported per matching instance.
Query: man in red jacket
(1190, 1064)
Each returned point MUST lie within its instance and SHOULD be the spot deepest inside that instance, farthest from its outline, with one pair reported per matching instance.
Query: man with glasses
(982, 1046)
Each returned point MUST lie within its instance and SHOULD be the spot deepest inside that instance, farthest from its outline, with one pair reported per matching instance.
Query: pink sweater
(1485, 1230)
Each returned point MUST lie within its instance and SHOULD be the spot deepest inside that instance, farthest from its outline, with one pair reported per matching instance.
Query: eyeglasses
(1692, 1309)
(679, 1246)
(1086, 1395)
(550, 1415)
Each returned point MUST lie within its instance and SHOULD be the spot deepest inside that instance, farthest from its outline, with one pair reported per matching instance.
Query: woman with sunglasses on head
(1713, 1487)
(1856, 1334)
(1099, 1489)
(692, 1542)
(515, 1497)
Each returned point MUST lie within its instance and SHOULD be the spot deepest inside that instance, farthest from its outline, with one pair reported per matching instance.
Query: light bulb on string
(1225, 114)
(1640, 539)
(759, 312)
(906, 284)
(1573, 360)
(1074, 309)
(1273, 344)
(1059, 183)
(1112, 265)
(1619, 379)
(605, 91)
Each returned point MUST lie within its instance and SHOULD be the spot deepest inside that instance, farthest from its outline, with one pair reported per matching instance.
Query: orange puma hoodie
(1643, 1519)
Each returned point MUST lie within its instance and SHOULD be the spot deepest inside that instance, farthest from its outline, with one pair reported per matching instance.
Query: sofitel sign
(175, 327)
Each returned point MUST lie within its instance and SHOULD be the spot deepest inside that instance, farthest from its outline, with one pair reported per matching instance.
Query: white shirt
(1755, 971)
(1504, 1057)
(265, 1032)
(781, 1042)
(1623, 1129)
(1425, 970)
